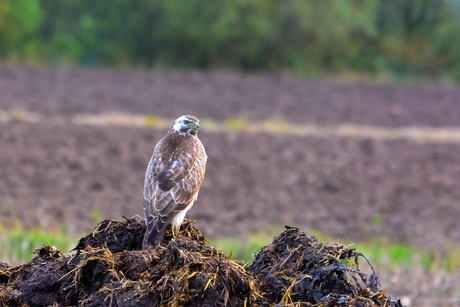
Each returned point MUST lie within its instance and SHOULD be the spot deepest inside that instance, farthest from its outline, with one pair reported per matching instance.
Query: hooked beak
(194, 128)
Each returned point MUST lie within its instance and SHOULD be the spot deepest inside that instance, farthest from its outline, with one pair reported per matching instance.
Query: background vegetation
(403, 37)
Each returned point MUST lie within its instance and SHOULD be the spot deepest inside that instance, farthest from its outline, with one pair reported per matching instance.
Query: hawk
(173, 178)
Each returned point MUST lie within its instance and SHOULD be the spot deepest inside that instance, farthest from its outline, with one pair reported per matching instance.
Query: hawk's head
(186, 124)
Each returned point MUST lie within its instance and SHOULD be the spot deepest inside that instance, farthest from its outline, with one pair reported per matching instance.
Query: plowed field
(60, 172)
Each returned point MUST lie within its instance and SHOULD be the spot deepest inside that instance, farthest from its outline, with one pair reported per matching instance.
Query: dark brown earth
(110, 269)
(350, 189)
(353, 189)
(220, 95)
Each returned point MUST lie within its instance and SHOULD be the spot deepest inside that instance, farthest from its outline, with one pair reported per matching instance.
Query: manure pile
(108, 268)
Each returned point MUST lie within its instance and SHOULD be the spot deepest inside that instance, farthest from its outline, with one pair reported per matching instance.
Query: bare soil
(354, 189)
(220, 95)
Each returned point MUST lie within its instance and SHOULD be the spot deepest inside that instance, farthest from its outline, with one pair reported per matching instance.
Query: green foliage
(384, 255)
(19, 22)
(208, 122)
(235, 124)
(376, 219)
(404, 37)
(152, 121)
(242, 251)
(16, 244)
(96, 215)
(389, 254)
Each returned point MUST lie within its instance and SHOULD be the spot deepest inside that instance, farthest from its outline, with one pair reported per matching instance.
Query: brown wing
(172, 181)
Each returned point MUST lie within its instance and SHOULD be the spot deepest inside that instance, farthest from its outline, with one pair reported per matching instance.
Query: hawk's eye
(187, 122)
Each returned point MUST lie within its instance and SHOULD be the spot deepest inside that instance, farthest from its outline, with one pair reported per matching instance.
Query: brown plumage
(173, 178)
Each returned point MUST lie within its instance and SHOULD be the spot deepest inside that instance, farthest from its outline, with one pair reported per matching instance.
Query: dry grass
(276, 126)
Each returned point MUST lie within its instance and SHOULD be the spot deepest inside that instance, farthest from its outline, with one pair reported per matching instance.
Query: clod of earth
(108, 268)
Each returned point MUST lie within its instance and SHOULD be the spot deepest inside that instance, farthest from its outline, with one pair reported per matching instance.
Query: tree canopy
(401, 36)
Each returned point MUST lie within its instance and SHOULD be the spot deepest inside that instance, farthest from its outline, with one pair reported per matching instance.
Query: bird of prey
(173, 179)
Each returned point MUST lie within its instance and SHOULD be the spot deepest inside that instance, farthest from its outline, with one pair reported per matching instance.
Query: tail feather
(156, 228)
(152, 241)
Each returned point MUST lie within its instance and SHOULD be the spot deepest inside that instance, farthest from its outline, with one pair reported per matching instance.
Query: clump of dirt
(299, 268)
(115, 236)
(110, 269)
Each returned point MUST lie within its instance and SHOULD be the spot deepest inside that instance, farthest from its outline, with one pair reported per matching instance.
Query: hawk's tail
(156, 228)
(152, 239)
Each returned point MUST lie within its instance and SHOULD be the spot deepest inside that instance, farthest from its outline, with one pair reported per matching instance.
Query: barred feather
(173, 178)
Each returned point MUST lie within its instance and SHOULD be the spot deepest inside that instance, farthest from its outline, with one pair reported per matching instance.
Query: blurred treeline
(418, 37)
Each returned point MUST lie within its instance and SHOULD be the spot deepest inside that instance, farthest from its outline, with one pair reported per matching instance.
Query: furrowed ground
(354, 161)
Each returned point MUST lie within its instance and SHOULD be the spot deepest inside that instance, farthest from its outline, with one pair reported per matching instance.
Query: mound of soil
(110, 269)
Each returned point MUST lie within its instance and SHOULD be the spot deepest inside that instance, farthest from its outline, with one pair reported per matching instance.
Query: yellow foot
(174, 232)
